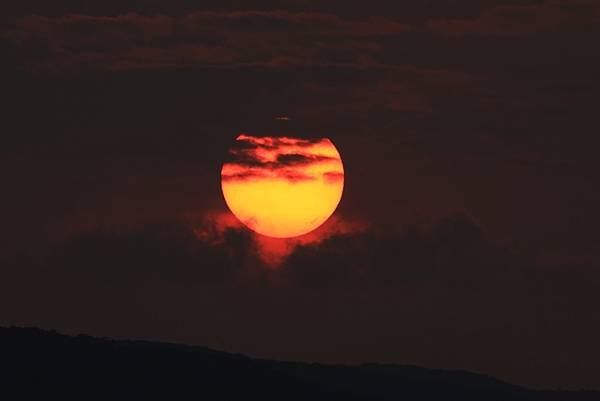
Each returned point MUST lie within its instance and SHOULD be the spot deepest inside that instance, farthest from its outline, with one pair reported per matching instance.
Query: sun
(282, 187)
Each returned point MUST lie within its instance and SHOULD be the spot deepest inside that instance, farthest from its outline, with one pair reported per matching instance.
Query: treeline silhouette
(44, 365)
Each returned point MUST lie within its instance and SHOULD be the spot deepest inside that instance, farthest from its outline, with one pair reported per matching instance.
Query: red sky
(469, 137)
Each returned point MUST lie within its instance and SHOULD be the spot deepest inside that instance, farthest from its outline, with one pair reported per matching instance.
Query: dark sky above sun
(467, 234)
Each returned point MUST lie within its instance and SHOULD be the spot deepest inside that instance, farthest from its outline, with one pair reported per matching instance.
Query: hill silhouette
(44, 365)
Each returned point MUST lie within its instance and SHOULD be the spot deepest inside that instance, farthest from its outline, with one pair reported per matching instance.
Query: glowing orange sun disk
(282, 187)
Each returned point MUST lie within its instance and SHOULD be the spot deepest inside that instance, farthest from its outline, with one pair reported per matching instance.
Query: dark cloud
(260, 38)
(295, 176)
(408, 11)
(207, 252)
(404, 91)
(227, 39)
(246, 175)
(332, 176)
(300, 159)
(252, 157)
(520, 20)
(430, 289)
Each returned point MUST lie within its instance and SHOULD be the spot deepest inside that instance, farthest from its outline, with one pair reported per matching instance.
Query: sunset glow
(282, 187)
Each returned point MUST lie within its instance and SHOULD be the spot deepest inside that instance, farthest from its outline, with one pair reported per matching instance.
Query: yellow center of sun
(282, 187)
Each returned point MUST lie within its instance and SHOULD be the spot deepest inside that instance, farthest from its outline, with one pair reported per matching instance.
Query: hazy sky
(467, 234)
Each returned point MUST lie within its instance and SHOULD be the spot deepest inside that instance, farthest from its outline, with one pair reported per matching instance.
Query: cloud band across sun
(280, 186)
